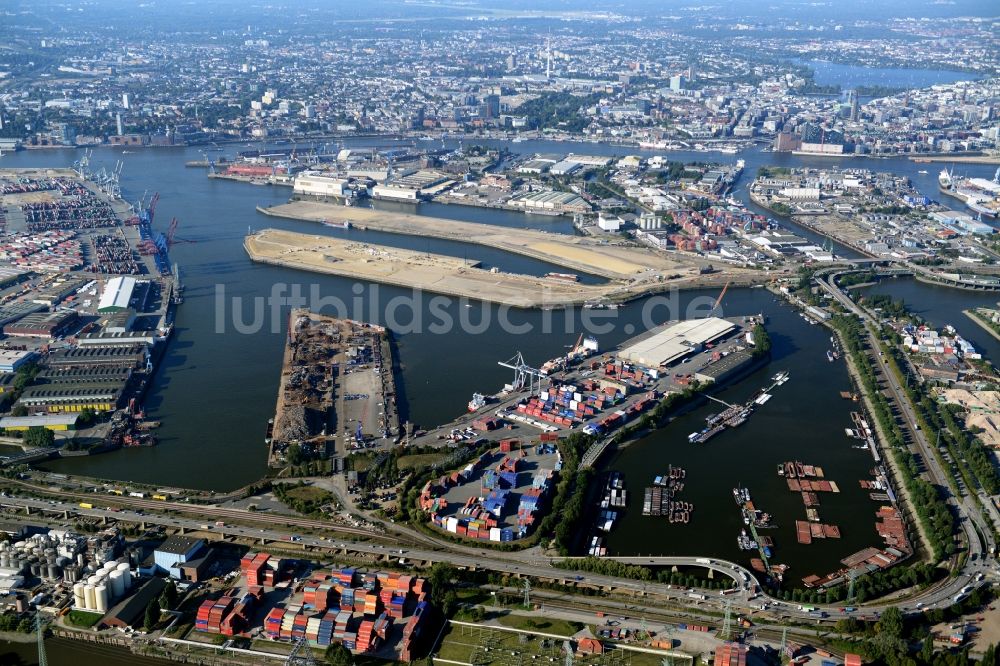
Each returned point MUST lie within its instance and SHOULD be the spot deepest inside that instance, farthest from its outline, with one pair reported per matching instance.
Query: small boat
(923, 172)
(345, 224)
(829, 356)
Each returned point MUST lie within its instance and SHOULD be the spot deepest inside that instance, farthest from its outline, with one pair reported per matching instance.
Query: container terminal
(584, 389)
(87, 299)
(337, 390)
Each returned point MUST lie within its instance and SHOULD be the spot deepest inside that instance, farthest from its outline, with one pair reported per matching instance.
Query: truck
(220, 523)
(86, 505)
(696, 595)
(703, 560)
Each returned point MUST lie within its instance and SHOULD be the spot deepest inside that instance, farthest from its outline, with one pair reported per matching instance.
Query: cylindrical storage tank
(80, 561)
(111, 565)
(90, 600)
(36, 569)
(126, 575)
(117, 584)
(93, 580)
(78, 596)
(5, 559)
(53, 570)
(101, 597)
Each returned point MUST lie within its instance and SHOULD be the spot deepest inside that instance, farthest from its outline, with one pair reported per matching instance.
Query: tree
(87, 416)
(152, 615)
(295, 455)
(169, 597)
(338, 655)
(38, 436)
(440, 578)
(19, 410)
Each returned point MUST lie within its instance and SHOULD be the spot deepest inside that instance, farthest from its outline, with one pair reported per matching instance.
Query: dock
(735, 415)
(337, 391)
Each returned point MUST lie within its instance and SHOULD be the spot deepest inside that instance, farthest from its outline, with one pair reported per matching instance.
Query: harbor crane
(718, 301)
(524, 375)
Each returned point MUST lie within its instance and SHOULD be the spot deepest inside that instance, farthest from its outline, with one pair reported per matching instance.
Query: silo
(110, 565)
(78, 596)
(80, 561)
(117, 584)
(90, 602)
(126, 575)
(5, 559)
(36, 569)
(52, 570)
(93, 580)
(101, 597)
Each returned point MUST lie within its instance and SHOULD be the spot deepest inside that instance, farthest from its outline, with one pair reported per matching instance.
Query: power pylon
(43, 659)
(301, 654)
(527, 593)
(727, 623)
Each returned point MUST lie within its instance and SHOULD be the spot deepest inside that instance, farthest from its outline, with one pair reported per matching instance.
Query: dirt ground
(417, 270)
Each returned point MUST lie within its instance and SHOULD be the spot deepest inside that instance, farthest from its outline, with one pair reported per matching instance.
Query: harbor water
(217, 387)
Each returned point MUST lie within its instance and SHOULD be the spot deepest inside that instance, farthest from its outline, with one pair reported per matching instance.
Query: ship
(568, 277)
(981, 196)
(478, 402)
(345, 224)
(829, 356)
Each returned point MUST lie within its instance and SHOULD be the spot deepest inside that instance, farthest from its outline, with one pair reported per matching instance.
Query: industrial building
(132, 611)
(117, 294)
(176, 551)
(558, 202)
(134, 356)
(11, 359)
(54, 422)
(117, 339)
(315, 184)
(58, 399)
(43, 324)
(676, 342)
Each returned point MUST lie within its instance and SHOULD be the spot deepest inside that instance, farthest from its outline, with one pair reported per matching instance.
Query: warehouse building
(43, 324)
(676, 342)
(132, 610)
(59, 399)
(78, 376)
(14, 311)
(117, 339)
(54, 422)
(559, 202)
(11, 359)
(396, 193)
(311, 183)
(117, 294)
(134, 356)
(171, 555)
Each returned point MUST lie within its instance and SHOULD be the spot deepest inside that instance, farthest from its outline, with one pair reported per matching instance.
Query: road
(979, 538)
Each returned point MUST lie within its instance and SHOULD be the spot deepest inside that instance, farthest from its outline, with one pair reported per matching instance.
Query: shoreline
(976, 317)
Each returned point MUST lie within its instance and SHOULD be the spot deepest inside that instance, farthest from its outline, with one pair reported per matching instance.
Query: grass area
(308, 494)
(543, 625)
(466, 644)
(83, 619)
(419, 460)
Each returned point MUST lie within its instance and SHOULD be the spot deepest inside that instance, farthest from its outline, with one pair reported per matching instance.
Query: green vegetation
(780, 208)
(302, 498)
(772, 172)
(761, 342)
(411, 461)
(928, 503)
(11, 621)
(168, 599)
(541, 625)
(557, 111)
(852, 279)
(39, 436)
(152, 616)
(82, 619)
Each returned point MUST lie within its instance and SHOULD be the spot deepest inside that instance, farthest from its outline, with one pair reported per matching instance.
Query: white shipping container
(577, 397)
(494, 534)
(451, 524)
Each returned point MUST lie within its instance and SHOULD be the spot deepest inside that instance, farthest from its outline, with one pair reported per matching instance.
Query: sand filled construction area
(418, 270)
(580, 253)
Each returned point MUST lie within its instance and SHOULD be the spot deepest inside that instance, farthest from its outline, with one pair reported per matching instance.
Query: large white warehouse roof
(117, 294)
(675, 341)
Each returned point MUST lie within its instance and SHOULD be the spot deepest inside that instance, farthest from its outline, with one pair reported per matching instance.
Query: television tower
(548, 57)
